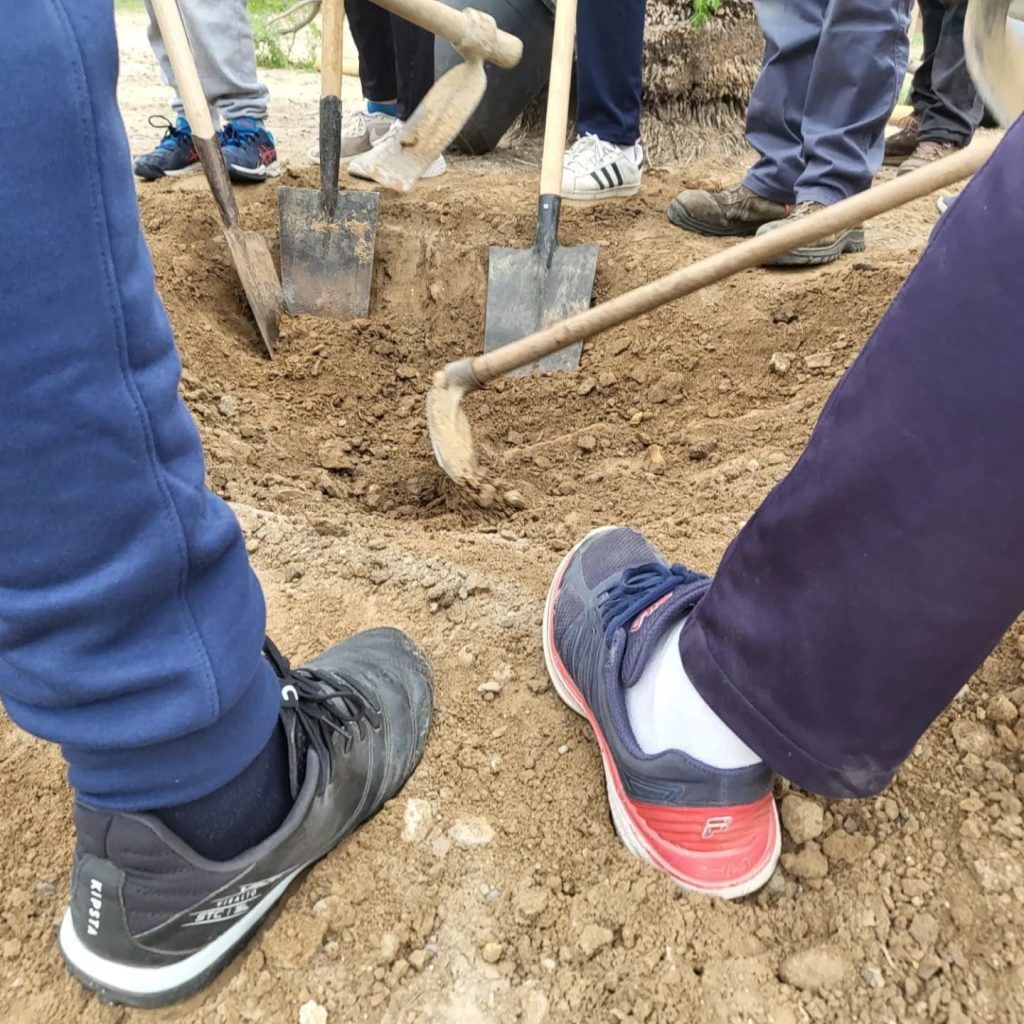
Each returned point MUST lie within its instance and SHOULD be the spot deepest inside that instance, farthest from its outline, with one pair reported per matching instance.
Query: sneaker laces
(637, 590)
(172, 132)
(588, 153)
(396, 127)
(322, 703)
(356, 124)
(238, 133)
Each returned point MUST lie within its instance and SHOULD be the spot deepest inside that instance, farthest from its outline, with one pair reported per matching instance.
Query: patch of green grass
(702, 10)
(274, 50)
(128, 6)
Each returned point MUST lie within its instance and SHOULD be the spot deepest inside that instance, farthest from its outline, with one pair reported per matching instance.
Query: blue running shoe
(712, 831)
(249, 150)
(174, 155)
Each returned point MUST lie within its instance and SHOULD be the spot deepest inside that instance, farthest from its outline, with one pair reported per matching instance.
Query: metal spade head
(255, 267)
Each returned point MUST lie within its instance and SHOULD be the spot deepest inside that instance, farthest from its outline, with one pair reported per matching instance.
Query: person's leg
(855, 81)
(414, 64)
(220, 33)
(370, 26)
(606, 160)
(882, 570)
(609, 69)
(207, 774)
(899, 145)
(955, 108)
(775, 114)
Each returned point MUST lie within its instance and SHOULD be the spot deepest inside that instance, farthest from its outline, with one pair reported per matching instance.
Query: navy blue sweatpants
(831, 76)
(609, 68)
(885, 567)
(130, 621)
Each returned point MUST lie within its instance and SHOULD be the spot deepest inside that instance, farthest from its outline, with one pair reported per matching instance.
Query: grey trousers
(221, 36)
(831, 74)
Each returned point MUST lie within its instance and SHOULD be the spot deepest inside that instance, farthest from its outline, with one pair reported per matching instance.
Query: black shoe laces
(171, 131)
(322, 704)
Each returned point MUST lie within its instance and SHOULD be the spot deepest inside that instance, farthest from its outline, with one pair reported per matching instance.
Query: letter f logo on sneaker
(713, 830)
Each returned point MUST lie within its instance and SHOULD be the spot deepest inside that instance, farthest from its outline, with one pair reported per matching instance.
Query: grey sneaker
(150, 921)
(359, 131)
(826, 250)
(730, 212)
(612, 599)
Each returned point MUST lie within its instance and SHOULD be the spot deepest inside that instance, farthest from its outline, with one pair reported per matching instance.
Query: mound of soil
(493, 889)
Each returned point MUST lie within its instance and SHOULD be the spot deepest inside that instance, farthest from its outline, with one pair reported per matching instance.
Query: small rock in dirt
(809, 863)
(535, 1006)
(418, 958)
(872, 976)
(513, 499)
(471, 832)
(531, 902)
(924, 929)
(701, 448)
(973, 737)
(490, 689)
(586, 442)
(538, 684)
(593, 938)
(334, 455)
(389, 946)
(491, 952)
(844, 848)
(1000, 872)
(814, 969)
(466, 658)
(804, 819)
(312, 1013)
(607, 379)
(1001, 709)
(11, 949)
(667, 388)
(818, 360)
(656, 460)
(779, 363)
(417, 820)
(228, 407)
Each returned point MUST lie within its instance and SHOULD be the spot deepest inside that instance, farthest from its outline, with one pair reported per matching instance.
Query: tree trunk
(697, 80)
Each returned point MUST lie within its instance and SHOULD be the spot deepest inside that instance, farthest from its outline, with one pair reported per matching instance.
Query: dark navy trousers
(831, 76)
(884, 568)
(130, 622)
(609, 68)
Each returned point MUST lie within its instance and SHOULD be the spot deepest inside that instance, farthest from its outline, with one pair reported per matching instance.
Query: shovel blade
(327, 265)
(400, 162)
(255, 267)
(526, 294)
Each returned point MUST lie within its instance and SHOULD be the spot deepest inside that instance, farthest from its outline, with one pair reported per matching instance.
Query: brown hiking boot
(901, 144)
(928, 152)
(825, 250)
(733, 211)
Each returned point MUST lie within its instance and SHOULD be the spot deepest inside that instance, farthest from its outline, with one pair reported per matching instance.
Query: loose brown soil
(902, 908)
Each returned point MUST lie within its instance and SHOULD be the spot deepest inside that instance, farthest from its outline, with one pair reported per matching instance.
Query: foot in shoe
(733, 211)
(358, 170)
(701, 809)
(249, 150)
(595, 169)
(359, 131)
(826, 250)
(927, 152)
(901, 144)
(151, 920)
(174, 155)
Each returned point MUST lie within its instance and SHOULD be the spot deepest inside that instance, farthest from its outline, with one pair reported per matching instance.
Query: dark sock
(240, 814)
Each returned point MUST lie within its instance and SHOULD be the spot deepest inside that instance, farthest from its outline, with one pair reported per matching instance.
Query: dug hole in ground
(493, 889)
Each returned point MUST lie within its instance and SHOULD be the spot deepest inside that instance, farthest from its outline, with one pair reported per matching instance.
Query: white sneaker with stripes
(595, 169)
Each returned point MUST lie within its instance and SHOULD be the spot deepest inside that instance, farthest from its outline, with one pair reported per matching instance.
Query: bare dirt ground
(903, 908)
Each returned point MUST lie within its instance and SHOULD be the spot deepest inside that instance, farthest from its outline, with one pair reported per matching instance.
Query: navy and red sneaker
(249, 150)
(174, 155)
(711, 830)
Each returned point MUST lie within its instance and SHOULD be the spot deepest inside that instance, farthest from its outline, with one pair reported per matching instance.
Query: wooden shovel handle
(330, 61)
(197, 110)
(453, 25)
(742, 256)
(559, 85)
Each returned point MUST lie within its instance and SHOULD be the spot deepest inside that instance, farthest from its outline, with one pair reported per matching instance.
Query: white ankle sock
(667, 713)
(634, 153)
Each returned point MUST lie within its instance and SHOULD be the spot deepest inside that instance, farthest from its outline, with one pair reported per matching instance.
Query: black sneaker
(174, 155)
(151, 921)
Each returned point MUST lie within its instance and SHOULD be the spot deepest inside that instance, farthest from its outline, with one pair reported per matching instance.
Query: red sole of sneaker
(740, 877)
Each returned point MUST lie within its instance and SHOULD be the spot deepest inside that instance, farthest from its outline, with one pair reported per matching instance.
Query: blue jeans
(130, 621)
(831, 76)
(609, 68)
